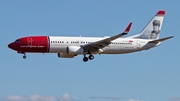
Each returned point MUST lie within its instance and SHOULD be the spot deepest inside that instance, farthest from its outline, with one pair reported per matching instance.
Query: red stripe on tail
(161, 13)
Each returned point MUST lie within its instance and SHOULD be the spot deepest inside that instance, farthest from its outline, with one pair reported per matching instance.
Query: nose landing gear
(24, 57)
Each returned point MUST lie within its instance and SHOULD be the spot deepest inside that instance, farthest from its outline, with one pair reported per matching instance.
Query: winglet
(128, 28)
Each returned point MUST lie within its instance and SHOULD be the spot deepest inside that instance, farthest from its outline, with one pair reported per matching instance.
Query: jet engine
(64, 55)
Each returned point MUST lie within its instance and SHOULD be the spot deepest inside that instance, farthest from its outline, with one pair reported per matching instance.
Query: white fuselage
(119, 46)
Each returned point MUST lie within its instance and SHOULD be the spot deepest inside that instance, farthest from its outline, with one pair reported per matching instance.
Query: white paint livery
(118, 46)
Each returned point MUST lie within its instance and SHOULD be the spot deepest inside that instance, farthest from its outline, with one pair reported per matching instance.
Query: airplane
(69, 47)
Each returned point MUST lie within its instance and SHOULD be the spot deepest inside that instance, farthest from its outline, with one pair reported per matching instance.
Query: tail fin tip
(161, 13)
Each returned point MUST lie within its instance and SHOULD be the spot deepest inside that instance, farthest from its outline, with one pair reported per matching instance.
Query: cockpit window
(18, 40)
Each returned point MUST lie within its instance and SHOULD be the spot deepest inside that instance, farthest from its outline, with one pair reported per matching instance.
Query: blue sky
(151, 75)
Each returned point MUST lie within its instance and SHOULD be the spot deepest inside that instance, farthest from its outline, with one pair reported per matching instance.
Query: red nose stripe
(38, 44)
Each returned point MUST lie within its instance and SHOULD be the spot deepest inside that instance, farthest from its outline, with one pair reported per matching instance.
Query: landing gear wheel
(24, 57)
(85, 59)
(91, 57)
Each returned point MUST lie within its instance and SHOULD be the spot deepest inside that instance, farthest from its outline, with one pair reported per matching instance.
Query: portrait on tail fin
(155, 32)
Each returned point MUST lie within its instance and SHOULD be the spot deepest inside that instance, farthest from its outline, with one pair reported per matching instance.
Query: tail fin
(152, 30)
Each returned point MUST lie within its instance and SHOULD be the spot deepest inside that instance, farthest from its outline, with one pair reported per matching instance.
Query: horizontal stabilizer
(160, 40)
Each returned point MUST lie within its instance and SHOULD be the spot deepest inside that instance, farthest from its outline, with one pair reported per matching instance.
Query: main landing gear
(91, 57)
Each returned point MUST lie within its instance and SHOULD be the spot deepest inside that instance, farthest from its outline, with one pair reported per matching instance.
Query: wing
(95, 46)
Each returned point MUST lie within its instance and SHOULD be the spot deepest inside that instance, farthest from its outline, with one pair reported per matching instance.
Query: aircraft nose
(11, 45)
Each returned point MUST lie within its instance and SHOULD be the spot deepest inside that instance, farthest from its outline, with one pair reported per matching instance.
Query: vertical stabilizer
(152, 30)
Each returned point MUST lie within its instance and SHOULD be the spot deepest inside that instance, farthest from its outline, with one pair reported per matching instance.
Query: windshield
(18, 40)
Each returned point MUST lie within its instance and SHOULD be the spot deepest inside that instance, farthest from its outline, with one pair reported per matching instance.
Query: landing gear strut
(24, 57)
(85, 59)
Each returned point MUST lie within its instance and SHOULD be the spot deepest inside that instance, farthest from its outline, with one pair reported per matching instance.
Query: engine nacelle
(75, 50)
(64, 55)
